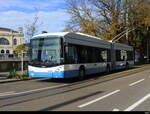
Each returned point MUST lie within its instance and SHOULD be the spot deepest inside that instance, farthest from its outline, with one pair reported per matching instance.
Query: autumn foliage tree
(108, 18)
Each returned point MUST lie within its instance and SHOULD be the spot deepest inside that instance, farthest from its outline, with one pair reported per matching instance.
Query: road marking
(7, 93)
(52, 87)
(115, 109)
(100, 98)
(137, 103)
(136, 82)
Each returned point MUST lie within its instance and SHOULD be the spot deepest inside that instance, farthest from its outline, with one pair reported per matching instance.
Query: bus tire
(81, 73)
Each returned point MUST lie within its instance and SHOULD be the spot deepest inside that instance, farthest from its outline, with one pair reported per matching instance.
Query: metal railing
(12, 57)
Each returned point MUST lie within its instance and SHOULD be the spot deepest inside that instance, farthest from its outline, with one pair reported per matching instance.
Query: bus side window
(72, 57)
(118, 55)
(104, 55)
(123, 55)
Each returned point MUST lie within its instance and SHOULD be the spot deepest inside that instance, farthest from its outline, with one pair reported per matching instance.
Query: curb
(15, 80)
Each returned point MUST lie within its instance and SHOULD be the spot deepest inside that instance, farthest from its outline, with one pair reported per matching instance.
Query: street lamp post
(22, 62)
(127, 21)
(147, 47)
(147, 50)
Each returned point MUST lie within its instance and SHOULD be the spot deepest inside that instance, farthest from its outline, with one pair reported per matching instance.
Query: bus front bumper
(46, 74)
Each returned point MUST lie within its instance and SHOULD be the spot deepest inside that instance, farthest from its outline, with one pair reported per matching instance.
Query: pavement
(4, 77)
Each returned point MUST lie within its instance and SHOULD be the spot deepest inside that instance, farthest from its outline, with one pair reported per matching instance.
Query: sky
(18, 13)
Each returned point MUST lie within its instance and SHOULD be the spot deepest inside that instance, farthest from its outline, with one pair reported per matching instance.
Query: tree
(108, 18)
(95, 17)
(82, 18)
(139, 18)
(20, 50)
(32, 26)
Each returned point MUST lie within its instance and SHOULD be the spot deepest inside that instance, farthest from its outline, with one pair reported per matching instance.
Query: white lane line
(7, 93)
(100, 98)
(137, 103)
(52, 87)
(136, 82)
(115, 109)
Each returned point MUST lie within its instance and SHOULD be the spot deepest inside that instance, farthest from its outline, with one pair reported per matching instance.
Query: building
(9, 40)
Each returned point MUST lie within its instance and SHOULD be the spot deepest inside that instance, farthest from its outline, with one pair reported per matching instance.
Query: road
(127, 90)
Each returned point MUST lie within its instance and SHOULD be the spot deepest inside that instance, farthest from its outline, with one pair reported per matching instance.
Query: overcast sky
(17, 13)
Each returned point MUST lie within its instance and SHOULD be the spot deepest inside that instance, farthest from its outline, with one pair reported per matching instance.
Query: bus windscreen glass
(46, 52)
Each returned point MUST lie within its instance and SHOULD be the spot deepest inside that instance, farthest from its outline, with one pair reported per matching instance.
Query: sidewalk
(4, 77)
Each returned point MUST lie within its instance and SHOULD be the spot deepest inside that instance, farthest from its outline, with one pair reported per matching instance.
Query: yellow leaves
(20, 49)
(107, 18)
(89, 27)
(141, 13)
(146, 21)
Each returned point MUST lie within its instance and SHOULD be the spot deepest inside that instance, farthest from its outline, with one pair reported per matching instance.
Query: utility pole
(147, 47)
(127, 38)
(22, 62)
(147, 50)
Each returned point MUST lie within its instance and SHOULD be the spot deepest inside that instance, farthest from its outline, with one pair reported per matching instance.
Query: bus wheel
(81, 74)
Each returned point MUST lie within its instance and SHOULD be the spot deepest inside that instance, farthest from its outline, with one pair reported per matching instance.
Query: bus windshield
(46, 52)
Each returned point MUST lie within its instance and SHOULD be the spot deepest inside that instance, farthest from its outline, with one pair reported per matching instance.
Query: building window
(7, 51)
(4, 41)
(15, 41)
(2, 51)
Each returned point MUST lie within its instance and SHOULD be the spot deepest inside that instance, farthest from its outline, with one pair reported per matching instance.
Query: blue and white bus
(68, 55)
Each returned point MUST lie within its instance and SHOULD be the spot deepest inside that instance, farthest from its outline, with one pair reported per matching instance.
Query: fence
(7, 62)
(12, 57)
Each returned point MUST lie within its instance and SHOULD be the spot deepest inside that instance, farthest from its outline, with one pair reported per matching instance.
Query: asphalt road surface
(127, 90)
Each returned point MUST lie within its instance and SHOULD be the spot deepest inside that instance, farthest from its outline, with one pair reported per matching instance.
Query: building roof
(7, 29)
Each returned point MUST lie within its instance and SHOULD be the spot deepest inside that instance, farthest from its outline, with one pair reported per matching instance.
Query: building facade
(9, 40)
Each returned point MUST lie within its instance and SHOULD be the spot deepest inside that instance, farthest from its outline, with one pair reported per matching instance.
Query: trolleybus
(68, 55)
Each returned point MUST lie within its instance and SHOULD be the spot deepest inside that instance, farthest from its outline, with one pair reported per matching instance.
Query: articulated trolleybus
(68, 55)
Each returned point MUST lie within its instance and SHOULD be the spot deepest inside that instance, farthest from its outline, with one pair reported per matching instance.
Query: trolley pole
(122, 35)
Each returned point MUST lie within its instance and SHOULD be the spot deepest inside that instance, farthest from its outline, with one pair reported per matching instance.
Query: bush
(14, 75)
